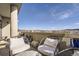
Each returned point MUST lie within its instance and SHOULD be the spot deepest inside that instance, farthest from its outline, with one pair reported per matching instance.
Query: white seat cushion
(18, 45)
(47, 50)
(15, 42)
(29, 53)
(20, 49)
(51, 42)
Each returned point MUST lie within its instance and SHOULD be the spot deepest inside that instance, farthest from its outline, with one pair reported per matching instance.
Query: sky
(49, 16)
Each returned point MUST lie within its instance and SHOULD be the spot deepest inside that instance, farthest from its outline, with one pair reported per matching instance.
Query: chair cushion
(18, 45)
(20, 49)
(15, 42)
(51, 42)
(29, 53)
(46, 50)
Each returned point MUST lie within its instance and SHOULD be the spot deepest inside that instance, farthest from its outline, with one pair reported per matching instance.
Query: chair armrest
(63, 51)
(10, 52)
(42, 41)
(8, 46)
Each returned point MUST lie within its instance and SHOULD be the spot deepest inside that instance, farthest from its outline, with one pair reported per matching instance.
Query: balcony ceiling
(5, 9)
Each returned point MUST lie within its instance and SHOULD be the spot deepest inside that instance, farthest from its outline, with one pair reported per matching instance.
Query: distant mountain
(72, 29)
(60, 31)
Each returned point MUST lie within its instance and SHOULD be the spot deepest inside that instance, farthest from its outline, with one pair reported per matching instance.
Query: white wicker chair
(49, 46)
(18, 45)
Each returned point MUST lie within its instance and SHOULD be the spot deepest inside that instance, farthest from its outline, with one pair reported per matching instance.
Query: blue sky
(46, 16)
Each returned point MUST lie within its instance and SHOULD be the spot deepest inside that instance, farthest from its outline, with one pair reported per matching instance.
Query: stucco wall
(67, 40)
(6, 27)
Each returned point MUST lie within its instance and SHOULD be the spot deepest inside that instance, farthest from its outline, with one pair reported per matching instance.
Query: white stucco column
(14, 20)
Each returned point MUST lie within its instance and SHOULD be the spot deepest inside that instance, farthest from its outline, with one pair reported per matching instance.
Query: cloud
(68, 13)
(53, 11)
(65, 13)
(76, 23)
(76, 5)
(35, 28)
(45, 28)
(64, 16)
